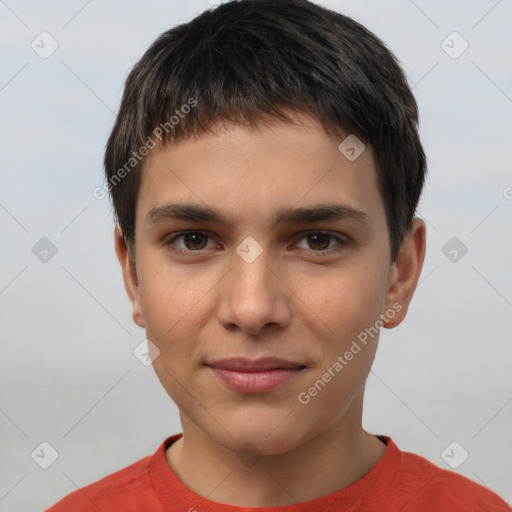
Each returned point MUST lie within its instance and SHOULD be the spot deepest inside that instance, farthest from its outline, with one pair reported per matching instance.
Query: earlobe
(130, 278)
(405, 273)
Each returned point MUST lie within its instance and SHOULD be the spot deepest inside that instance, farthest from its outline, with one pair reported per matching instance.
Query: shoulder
(434, 488)
(122, 489)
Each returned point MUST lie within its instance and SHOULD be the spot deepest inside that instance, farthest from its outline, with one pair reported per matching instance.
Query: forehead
(256, 172)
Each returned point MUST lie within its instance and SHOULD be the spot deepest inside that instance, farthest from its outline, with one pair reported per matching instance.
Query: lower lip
(255, 382)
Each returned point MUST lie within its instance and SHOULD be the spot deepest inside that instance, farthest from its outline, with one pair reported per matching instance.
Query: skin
(207, 303)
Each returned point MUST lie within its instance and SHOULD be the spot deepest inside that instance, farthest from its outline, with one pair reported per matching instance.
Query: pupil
(194, 239)
(317, 239)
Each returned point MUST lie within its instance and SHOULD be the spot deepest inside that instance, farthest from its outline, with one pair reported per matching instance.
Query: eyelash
(342, 243)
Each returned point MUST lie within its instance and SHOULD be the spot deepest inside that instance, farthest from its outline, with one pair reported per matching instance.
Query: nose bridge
(252, 296)
(252, 274)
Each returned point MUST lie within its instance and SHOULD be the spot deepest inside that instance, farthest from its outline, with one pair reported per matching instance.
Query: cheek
(170, 296)
(348, 308)
(174, 317)
(347, 301)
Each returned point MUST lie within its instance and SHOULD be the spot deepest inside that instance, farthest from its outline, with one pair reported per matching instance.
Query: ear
(131, 282)
(404, 274)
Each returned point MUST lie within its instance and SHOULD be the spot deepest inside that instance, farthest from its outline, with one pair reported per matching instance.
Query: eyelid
(170, 240)
(342, 239)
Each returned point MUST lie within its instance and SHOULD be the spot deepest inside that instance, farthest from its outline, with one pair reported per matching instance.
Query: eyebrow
(305, 215)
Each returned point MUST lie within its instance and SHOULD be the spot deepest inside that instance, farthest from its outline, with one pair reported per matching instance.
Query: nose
(253, 297)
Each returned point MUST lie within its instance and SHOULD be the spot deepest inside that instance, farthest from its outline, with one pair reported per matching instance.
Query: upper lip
(239, 364)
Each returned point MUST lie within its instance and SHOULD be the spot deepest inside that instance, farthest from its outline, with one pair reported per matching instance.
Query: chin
(254, 442)
(265, 434)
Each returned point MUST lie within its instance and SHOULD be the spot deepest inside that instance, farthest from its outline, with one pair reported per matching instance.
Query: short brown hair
(251, 58)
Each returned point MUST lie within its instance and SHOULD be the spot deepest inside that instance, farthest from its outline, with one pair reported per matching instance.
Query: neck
(331, 461)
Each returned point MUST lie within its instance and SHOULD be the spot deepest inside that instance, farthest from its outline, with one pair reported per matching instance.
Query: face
(262, 255)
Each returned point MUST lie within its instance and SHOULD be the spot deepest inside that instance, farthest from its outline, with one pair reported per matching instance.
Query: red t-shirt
(400, 481)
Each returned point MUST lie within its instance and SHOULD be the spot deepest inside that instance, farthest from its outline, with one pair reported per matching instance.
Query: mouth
(258, 376)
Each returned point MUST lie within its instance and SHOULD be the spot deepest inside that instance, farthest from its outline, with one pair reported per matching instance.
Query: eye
(192, 241)
(323, 242)
(317, 242)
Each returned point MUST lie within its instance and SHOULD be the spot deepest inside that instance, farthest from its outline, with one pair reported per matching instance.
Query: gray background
(68, 374)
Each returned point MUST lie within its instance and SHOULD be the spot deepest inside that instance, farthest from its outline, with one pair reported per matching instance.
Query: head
(238, 128)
